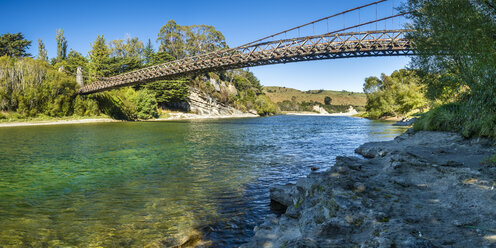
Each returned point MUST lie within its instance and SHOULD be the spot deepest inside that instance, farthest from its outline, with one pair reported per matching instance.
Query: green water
(156, 183)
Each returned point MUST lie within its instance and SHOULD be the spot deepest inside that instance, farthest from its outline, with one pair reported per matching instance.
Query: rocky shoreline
(422, 189)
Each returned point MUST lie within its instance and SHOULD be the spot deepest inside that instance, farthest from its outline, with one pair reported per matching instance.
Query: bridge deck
(330, 46)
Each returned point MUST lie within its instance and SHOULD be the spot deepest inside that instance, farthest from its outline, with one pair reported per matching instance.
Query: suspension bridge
(346, 42)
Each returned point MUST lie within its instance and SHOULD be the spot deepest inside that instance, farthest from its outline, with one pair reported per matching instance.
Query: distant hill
(279, 94)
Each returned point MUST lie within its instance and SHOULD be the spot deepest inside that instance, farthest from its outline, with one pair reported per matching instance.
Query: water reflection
(156, 184)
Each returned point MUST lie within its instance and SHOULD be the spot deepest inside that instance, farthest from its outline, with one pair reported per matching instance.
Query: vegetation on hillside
(42, 87)
(456, 44)
(289, 99)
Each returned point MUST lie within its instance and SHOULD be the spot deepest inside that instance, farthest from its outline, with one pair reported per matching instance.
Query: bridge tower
(79, 76)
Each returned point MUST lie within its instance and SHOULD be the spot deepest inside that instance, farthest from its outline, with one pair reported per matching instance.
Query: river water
(148, 183)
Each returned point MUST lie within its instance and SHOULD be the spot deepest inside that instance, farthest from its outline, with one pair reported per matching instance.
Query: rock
(420, 190)
(232, 90)
(405, 122)
(203, 104)
(319, 109)
(282, 194)
(214, 83)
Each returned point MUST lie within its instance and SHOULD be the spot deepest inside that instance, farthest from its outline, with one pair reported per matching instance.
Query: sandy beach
(172, 117)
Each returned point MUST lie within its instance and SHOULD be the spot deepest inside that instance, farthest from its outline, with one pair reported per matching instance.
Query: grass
(460, 118)
(279, 94)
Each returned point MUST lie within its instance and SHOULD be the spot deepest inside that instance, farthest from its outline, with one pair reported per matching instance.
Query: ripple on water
(137, 184)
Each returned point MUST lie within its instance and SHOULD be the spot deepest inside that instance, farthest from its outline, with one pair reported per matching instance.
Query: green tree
(42, 52)
(61, 45)
(327, 100)
(131, 47)
(148, 53)
(99, 65)
(203, 39)
(75, 60)
(171, 38)
(398, 95)
(182, 41)
(14, 45)
(455, 40)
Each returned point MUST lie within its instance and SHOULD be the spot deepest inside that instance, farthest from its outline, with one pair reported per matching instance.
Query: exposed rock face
(201, 103)
(424, 189)
(319, 109)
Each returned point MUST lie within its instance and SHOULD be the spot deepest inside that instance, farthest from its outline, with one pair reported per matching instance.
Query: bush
(264, 106)
(458, 117)
(145, 104)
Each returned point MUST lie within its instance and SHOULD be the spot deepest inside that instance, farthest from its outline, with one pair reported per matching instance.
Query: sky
(239, 21)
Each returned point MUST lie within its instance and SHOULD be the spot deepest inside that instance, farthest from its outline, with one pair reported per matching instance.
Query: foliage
(148, 53)
(455, 40)
(169, 91)
(127, 104)
(398, 95)
(132, 47)
(32, 87)
(99, 65)
(146, 105)
(42, 52)
(327, 100)
(183, 41)
(14, 45)
(264, 106)
(61, 45)
(73, 61)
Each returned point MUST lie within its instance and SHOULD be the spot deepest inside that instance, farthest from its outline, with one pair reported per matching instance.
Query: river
(134, 184)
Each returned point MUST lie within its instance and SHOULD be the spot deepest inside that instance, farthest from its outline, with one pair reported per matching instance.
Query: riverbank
(318, 114)
(422, 189)
(170, 117)
(35, 122)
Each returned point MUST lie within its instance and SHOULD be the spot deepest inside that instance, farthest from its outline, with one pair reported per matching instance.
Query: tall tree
(99, 58)
(75, 60)
(131, 47)
(171, 38)
(148, 53)
(456, 38)
(203, 39)
(182, 41)
(42, 53)
(14, 45)
(61, 45)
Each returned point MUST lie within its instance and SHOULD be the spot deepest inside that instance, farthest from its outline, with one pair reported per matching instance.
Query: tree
(327, 100)
(148, 53)
(203, 39)
(182, 41)
(397, 95)
(14, 45)
(75, 60)
(61, 45)
(131, 47)
(171, 38)
(42, 53)
(99, 58)
(455, 41)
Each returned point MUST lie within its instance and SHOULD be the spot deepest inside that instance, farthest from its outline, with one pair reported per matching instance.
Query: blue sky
(239, 21)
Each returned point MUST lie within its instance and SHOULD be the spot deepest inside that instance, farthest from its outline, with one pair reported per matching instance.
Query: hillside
(280, 94)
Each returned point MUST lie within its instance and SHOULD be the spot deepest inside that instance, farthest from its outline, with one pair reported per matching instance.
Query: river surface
(154, 183)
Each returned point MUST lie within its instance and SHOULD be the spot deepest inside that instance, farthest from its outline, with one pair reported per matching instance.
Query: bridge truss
(333, 45)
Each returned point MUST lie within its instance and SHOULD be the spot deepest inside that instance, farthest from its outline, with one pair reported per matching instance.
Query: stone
(282, 194)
